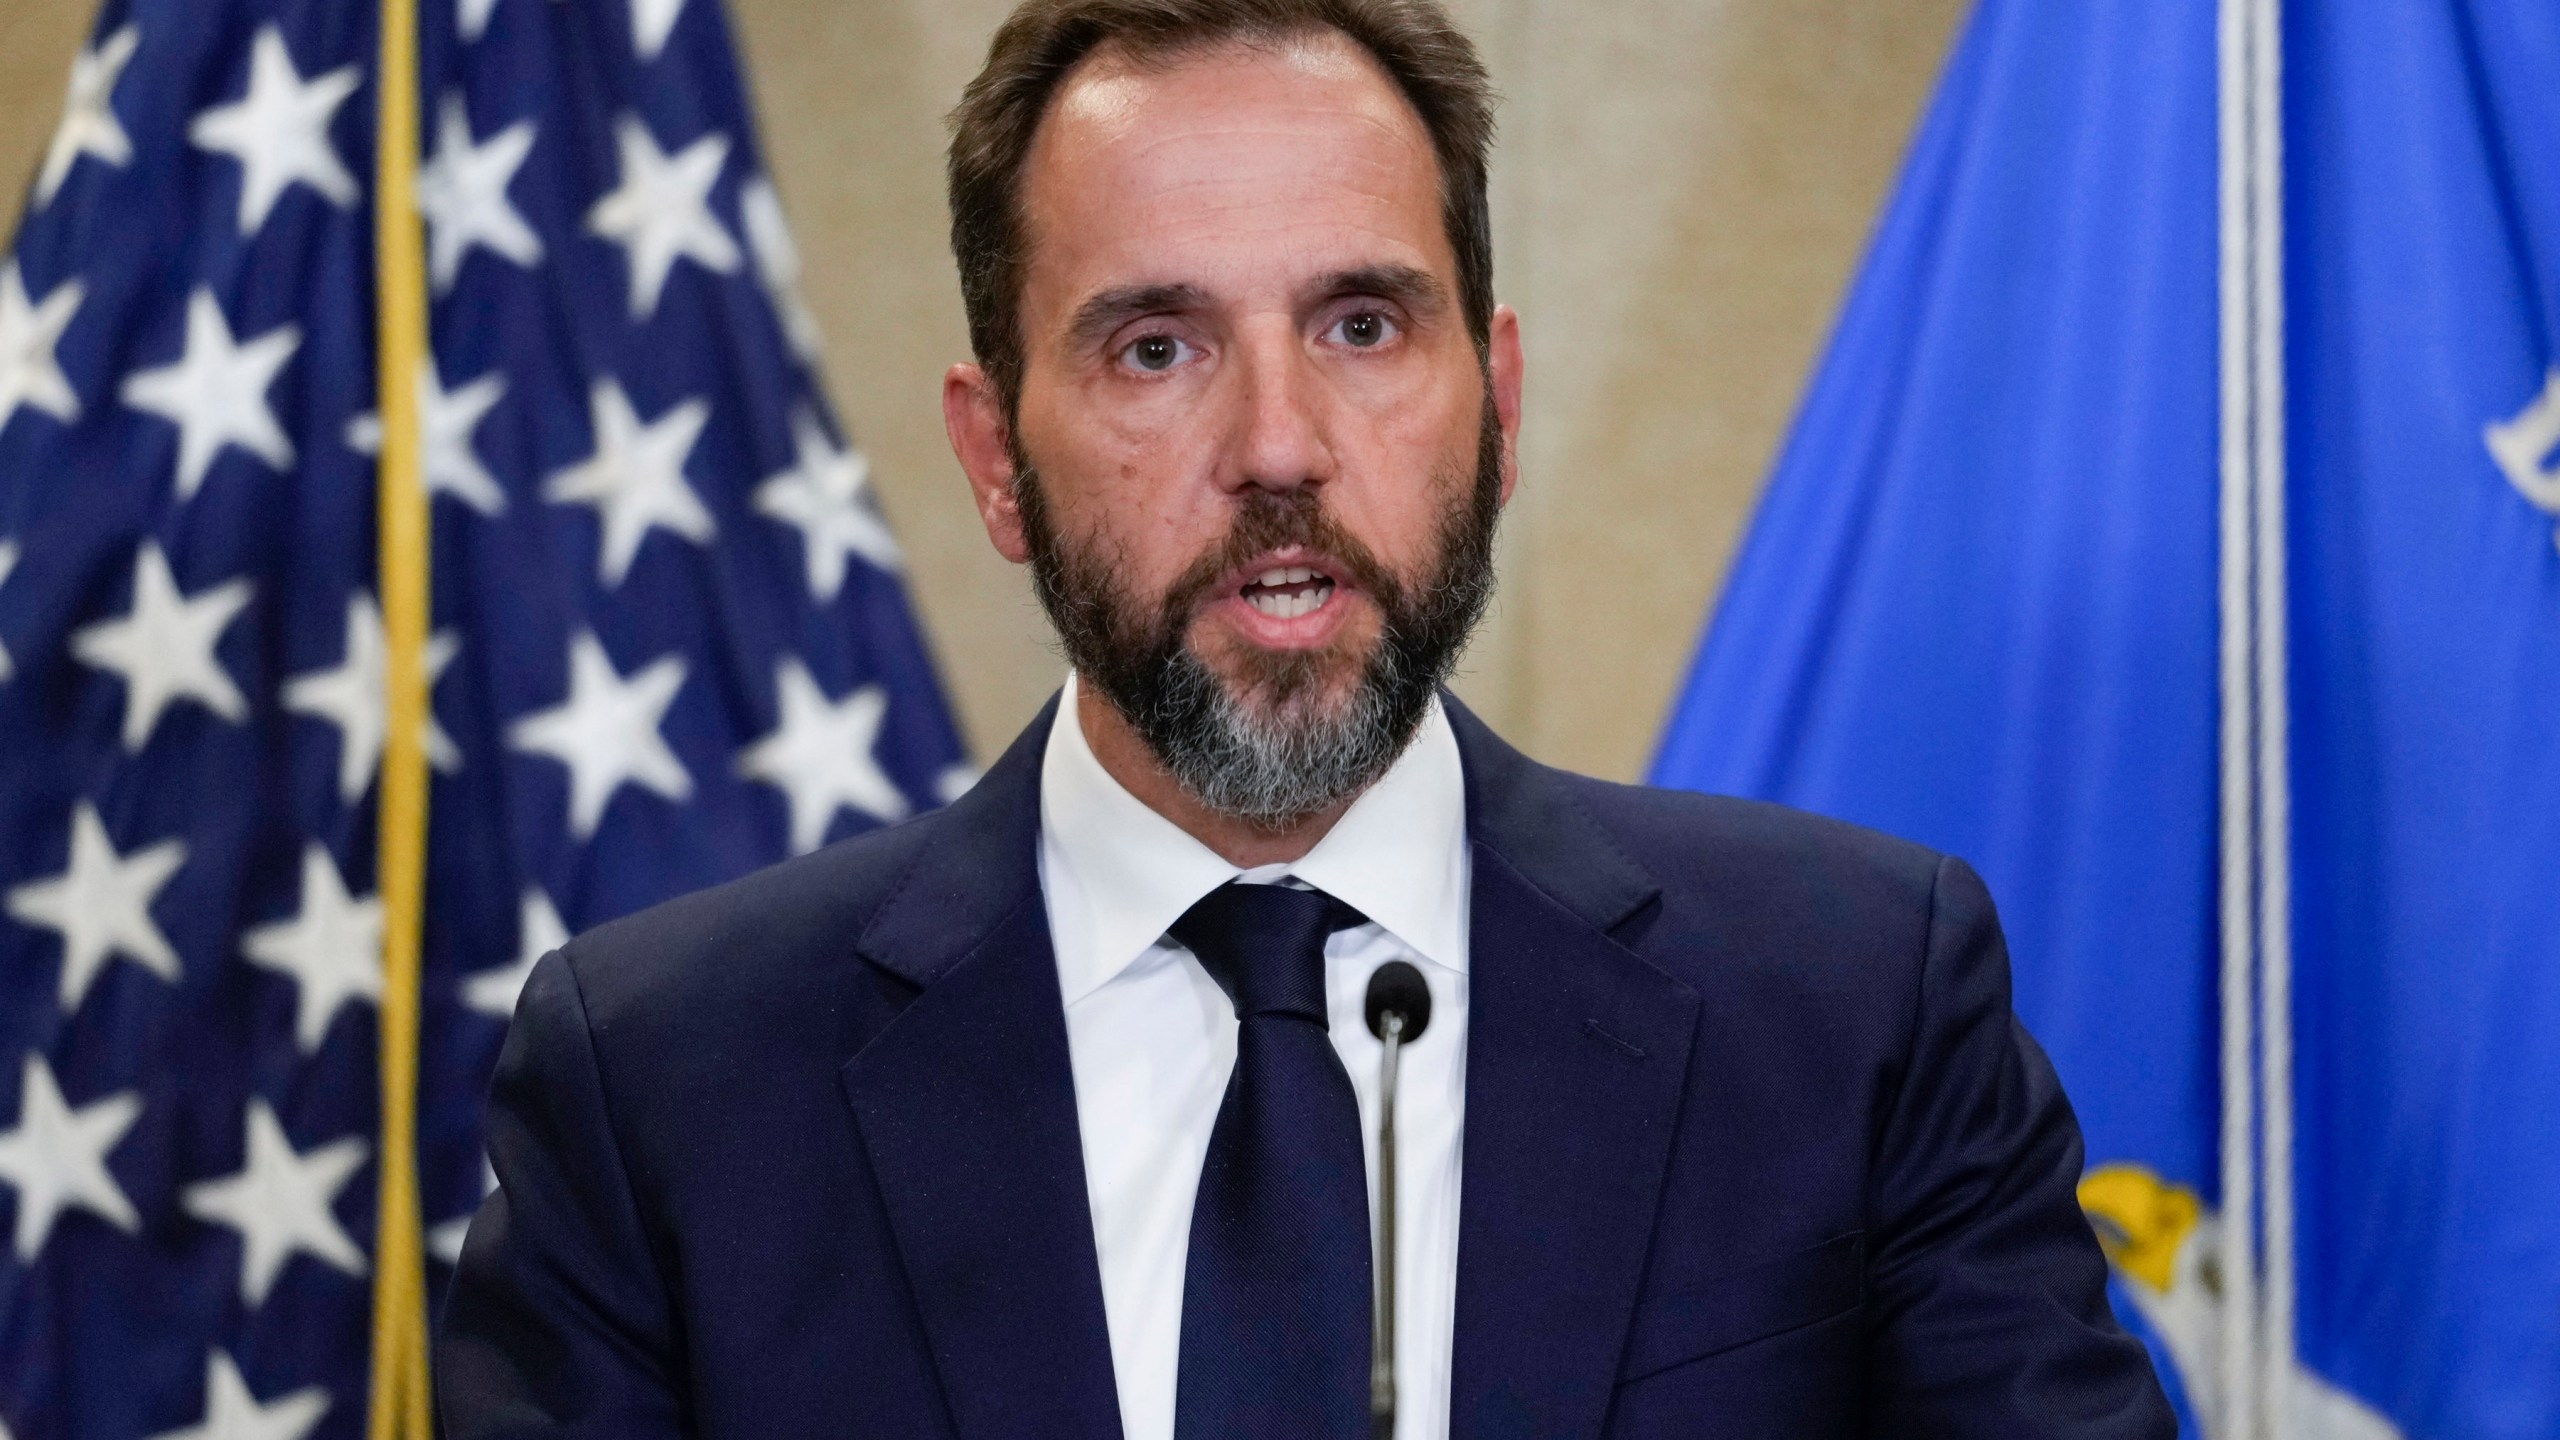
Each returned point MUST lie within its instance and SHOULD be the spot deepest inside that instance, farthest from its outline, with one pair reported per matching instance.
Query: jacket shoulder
(765, 937)
(1759, 893)
(1688, 839)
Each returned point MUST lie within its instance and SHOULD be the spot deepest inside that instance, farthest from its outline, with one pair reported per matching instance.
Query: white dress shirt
(1152, 1039)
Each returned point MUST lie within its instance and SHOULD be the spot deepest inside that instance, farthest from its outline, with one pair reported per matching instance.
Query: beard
(1274, 742)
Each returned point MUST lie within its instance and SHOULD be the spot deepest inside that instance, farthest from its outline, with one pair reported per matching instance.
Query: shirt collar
(1120, 874)
(1399, 854)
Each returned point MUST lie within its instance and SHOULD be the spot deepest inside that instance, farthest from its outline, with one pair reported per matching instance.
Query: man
(1053, 1114)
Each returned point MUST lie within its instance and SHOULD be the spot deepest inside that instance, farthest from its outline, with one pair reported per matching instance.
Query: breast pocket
(1726, 1312)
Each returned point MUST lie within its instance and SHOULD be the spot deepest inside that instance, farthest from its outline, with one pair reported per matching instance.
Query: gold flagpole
(399, 1398)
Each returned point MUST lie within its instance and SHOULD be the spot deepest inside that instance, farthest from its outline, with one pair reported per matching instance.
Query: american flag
(669, 644)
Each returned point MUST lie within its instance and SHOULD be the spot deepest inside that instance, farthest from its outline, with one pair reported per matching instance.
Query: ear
(973, 415)
(1506, 365)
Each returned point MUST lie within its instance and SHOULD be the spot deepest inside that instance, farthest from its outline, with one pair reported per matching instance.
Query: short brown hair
(1430, 60)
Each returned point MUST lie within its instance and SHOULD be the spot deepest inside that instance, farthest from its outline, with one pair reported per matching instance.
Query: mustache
(1269, 520)
(1115, 640)
(1257, 740)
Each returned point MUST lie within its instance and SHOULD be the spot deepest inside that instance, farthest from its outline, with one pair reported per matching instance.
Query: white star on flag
(101, 905)
(652, 21)
(30, 376)
(778, 263)
(827, 495)
(538, 933)
(350, 696)
(662, 211)
(462, 192)
(820, 755)
(163, 647)
(635, 478)
(279, 131)
(606, 732)
(216, 392)
(89, 125)
(332, 948)
(57, 1157)
(232, 1413)
(447, 420)
(472, 18)
(279, 1202)
(8, 562)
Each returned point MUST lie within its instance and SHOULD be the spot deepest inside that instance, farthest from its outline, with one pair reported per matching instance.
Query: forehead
(1227, 162)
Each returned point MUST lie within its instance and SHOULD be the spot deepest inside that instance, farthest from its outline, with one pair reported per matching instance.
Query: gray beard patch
(1273, 770)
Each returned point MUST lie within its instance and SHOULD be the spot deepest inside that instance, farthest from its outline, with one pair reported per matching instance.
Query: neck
(1125, 755)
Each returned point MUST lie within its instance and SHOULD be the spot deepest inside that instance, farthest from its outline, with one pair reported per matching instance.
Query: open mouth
(1285, 592)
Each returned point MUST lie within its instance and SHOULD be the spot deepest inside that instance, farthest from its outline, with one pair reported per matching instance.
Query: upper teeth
(1275, 592)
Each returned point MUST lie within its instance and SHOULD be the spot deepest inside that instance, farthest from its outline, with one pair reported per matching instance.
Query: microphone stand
(1398, 1007)
(1382, 1365)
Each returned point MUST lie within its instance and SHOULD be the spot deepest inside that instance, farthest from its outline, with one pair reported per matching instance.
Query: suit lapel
(1577, 1051)
(1577, 1054)
(966, 1104)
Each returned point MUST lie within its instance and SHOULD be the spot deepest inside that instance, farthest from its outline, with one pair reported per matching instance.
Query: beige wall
(1682, 188)
(37, 40)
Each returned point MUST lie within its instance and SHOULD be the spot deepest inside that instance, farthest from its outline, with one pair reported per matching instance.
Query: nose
(1281, 442)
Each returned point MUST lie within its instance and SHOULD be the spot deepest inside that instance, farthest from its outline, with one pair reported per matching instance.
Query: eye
(1155, 354)
(1364, 329)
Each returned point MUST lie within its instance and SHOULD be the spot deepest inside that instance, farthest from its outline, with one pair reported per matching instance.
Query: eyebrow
(1416, 289)
(1108, 310)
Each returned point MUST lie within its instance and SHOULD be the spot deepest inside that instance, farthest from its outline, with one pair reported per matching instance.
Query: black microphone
(1398, 1008)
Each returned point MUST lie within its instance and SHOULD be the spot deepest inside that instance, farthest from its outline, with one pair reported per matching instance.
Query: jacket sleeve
(1987, 1284)
(559, 1322)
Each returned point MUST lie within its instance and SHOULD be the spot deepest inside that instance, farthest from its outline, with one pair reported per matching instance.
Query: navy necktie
(1275, 1298)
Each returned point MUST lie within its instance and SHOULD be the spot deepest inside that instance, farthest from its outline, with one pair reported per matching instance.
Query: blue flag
(670, 642)
(2424, 286)
(1998, 599)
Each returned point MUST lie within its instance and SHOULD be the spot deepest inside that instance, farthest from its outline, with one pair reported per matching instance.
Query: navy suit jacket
(1754, 1148)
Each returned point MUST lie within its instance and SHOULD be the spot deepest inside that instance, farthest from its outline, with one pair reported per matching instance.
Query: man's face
(1263, 455)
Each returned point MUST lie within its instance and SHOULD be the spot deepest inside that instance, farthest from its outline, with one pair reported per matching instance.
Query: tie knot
(1264, 945)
